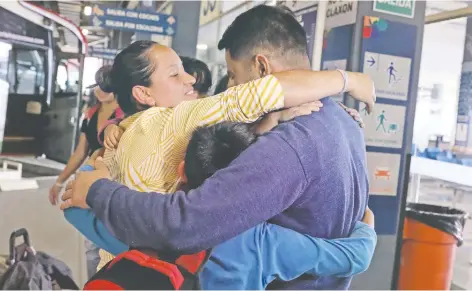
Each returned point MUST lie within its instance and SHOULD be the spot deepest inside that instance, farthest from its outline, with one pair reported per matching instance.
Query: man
(308, 174)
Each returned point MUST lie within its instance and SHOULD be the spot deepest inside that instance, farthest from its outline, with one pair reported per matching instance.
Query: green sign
(403, 8)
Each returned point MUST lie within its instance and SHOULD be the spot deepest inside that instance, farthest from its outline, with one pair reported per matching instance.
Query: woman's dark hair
(103, 79)
(132, 67)
(222, 85)
(200, 71)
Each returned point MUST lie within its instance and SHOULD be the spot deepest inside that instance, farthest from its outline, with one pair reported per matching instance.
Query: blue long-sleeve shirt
(253, 259)
(309, 175)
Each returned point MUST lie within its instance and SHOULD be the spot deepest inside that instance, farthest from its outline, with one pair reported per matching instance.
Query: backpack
(118, 112)
(31, 270)
(136, 270)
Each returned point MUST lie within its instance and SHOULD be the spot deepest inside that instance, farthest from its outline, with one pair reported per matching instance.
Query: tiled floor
(49, 231)
(432, 193)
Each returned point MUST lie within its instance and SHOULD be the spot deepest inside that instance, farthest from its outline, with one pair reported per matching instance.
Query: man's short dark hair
(264, 27)
(200, 71)
(214, 147)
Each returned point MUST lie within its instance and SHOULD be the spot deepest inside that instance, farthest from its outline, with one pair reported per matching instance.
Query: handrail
(448, 15)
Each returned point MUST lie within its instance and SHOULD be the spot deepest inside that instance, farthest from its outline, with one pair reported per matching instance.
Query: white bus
(40, 81)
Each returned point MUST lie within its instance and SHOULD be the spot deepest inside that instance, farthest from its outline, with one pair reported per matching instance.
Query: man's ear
(181, 172)
(142, 96)
(263, 66)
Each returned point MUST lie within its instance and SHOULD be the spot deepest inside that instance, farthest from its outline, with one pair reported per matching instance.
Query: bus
(40, 81)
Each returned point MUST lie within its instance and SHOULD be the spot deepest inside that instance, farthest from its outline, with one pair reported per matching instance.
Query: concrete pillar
(463, 137)
(393, 41)
(187, 13)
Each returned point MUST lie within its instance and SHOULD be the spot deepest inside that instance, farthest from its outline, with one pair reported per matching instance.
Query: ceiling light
(87, 10)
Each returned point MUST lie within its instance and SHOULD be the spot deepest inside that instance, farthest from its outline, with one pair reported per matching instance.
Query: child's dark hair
(200, 71)
(132, 67)
(214, 147)
(222, 85)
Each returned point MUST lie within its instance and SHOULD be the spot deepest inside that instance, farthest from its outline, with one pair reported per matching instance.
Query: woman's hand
(113, 135)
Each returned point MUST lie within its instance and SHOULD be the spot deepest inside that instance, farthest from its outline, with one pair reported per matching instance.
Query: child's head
(147, 74)
(200, 71)
(212, 148)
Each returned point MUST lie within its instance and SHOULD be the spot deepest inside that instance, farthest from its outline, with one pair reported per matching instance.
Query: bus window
(67, 79)
(26, 72)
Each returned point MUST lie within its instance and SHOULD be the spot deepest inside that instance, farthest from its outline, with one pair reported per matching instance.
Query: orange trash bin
(431, 235)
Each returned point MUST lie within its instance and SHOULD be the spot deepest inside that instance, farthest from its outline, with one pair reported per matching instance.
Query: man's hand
(369, 217)
(77, 190)
(113, 135)
(354, 114)
(361, 87)
(272, 119)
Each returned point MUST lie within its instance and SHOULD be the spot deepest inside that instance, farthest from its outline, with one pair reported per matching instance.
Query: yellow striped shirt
(155, 140)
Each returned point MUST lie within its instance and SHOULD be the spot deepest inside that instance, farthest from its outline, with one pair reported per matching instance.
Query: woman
(200, 71)
(96, 117)
(105, 109)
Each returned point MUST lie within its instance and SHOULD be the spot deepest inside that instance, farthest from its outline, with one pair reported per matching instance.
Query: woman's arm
(75, 161)
(300, 86)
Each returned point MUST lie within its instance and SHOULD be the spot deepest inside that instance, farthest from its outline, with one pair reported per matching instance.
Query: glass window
(439, 80)
(67, 78)
(26, 73)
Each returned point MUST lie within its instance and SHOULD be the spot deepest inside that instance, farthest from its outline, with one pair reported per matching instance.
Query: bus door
(64, 110)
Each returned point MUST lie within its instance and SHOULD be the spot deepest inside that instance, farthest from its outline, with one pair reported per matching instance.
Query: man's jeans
(93, 259)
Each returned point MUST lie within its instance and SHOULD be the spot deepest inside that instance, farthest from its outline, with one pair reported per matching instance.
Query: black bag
(31, 270)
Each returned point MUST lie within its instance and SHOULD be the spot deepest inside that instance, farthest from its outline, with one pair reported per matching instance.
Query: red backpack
(135, 270)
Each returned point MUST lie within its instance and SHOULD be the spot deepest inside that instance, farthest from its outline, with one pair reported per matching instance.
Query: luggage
(136, 270)
(31, 270)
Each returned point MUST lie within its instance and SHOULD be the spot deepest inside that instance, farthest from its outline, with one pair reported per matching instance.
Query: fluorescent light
(87, 10)
(85, 31)
(202, 46)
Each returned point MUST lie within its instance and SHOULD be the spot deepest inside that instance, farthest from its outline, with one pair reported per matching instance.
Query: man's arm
(249, 191)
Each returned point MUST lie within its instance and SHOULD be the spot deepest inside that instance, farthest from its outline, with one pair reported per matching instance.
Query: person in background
(222, 85)
(199, 70)
(96, 116)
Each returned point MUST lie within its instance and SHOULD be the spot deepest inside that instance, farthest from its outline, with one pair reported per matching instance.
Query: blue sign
(388, 52)
(102, 53)
(132, 20)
